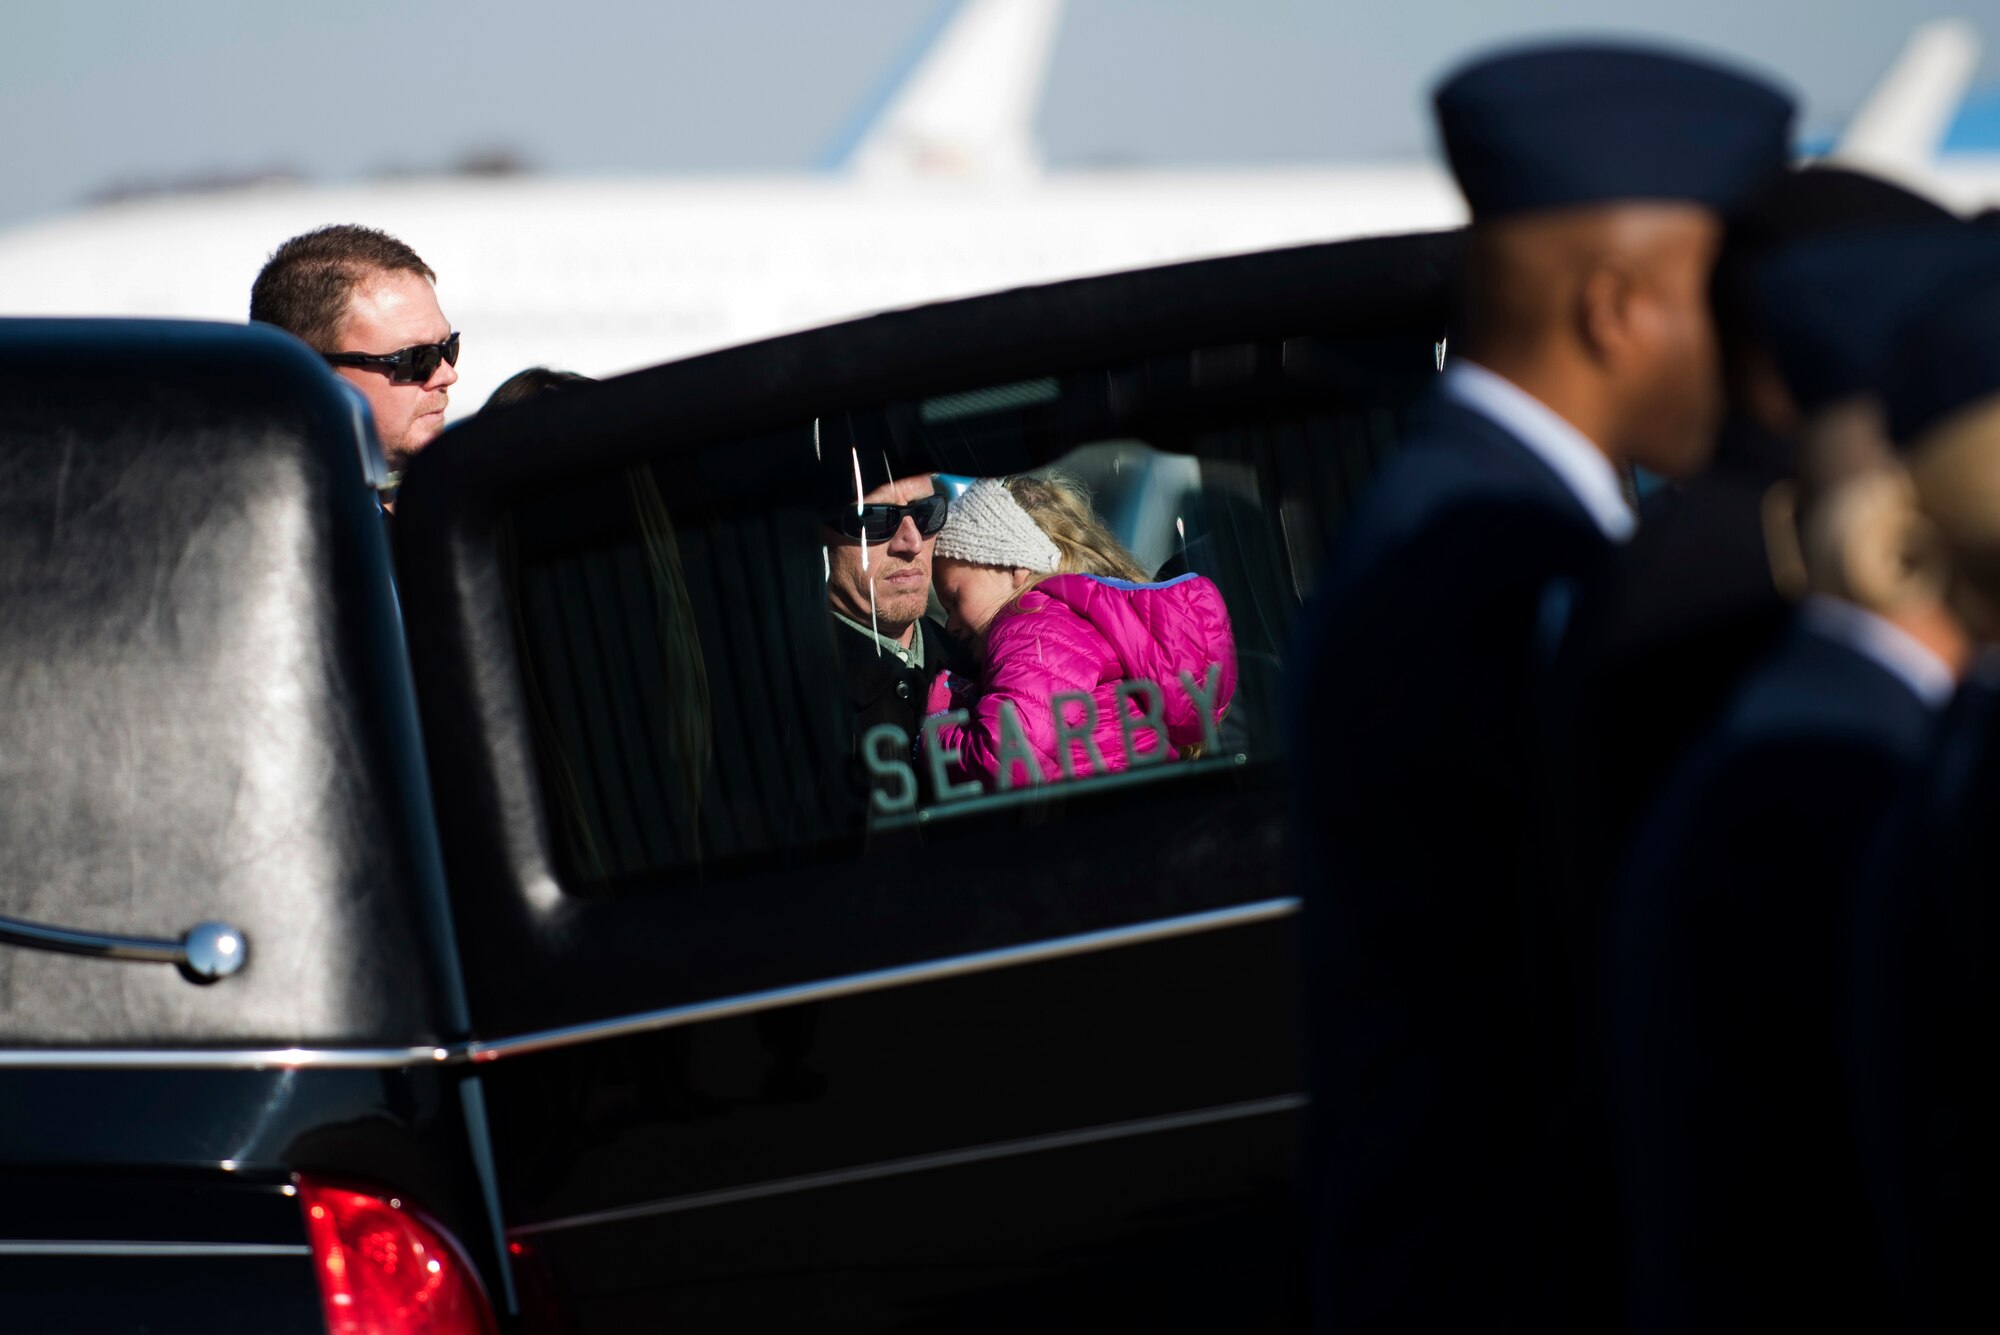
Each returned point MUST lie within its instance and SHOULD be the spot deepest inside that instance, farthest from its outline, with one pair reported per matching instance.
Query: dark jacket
(1736, 1148)
(1656, 643)
(1924, 1022)
(1659, 640)
(882, 690)
(1419, 753)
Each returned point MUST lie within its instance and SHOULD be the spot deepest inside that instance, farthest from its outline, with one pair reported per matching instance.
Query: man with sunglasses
(878, 584)
(368, 304)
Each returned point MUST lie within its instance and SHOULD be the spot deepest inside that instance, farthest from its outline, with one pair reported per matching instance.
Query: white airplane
(940, 194)
(1913, 129)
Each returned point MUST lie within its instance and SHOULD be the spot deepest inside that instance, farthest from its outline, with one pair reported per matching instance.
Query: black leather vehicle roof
(204, 704)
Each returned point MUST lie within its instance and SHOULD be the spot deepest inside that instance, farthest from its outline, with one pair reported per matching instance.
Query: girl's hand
(943, 687)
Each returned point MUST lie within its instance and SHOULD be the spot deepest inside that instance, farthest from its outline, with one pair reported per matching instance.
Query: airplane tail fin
(1900, 127)
(966, 108)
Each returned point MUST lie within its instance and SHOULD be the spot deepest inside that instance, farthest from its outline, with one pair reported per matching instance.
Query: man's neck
(1919, 641)
(902, 635)
(1556, 388)
(1578, 463)
(1934, 627)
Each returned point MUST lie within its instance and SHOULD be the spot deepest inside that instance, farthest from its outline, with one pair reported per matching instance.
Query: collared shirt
(1569, 453)
(912, 657)
(1884, 644)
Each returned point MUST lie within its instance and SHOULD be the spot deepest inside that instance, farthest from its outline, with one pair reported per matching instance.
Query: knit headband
(988, 527)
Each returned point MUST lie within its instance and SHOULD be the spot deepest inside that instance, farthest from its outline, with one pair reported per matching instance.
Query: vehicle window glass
(749, 654)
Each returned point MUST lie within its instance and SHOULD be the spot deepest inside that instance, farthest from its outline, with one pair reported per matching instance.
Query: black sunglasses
(405, 366)
(878, 523)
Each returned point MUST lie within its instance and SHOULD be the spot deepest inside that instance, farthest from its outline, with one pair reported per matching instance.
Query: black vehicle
(551, 969)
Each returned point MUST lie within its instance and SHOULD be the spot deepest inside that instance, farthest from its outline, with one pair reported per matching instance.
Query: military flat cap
(1830, 307)
(1947, 352)
(1822, 198)
(1551, 127)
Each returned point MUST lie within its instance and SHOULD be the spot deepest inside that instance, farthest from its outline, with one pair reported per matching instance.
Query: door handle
(206, 952)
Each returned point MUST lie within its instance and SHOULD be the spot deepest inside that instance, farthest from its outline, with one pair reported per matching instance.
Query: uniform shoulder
(1459, 469)
(1812, 692)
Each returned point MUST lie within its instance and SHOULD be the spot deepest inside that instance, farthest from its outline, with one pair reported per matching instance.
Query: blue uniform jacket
(1418, 760)
(1740, 1174)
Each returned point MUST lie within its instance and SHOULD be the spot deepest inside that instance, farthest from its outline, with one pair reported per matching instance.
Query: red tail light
(386, 1269)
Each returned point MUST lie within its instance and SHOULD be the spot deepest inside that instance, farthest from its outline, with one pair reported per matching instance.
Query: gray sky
(96, 92)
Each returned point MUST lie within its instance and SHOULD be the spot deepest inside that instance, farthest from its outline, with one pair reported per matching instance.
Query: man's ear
(1605, 302)
(1782, 546)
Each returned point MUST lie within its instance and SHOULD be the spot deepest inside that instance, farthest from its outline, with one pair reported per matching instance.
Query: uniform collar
(1568, 453)
(1882, 643)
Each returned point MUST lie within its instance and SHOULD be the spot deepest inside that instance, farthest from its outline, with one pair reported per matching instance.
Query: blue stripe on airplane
(836, 153)
(1976, 128)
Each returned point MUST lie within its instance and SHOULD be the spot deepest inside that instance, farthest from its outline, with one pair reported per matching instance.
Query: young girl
(1084, 667)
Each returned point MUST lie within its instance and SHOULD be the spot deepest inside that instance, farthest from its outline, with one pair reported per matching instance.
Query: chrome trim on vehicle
(921, 1163)
(225, 1059)
(876, 980)
(206, 952)
(154, 1249)
(591, 1031)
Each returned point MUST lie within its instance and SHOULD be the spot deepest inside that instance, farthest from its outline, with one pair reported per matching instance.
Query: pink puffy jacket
(1091, 635)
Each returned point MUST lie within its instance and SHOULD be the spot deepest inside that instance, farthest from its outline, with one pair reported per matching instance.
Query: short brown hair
(304, 286)
(533, 383)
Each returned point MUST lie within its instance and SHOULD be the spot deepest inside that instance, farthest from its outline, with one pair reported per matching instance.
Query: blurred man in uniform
(368, 304)
(1658, 640)
(1742, 1181)
(1598, 179)
(1926, 934)
(1661, 636)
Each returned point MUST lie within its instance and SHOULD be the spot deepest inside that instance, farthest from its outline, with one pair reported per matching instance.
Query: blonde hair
(1060, 507)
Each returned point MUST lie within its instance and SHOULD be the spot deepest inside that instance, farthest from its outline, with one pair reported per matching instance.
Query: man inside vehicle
(878, 585)
(368, 304)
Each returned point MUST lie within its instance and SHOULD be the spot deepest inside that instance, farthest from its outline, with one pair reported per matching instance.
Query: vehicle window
(748, 653)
